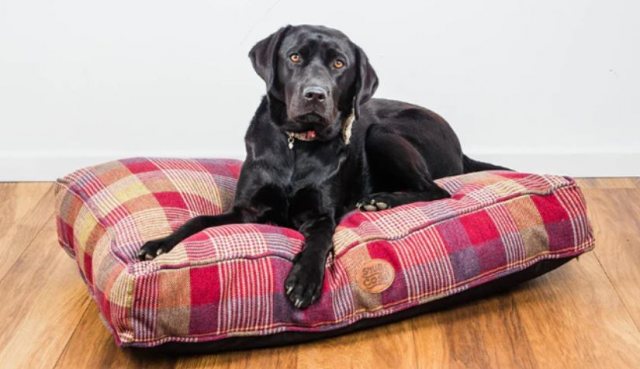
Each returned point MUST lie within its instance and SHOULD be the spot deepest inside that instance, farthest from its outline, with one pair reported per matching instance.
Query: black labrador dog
(320, 146)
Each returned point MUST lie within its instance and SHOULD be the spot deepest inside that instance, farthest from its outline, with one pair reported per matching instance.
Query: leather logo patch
(375, 276)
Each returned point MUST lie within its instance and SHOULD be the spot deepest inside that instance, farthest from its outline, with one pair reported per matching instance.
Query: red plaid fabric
(228, 281)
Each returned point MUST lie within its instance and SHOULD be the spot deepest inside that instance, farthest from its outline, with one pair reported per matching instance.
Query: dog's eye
(295, 58)
(338, 64)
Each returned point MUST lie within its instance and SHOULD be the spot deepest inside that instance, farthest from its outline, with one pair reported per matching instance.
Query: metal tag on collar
(290, 140)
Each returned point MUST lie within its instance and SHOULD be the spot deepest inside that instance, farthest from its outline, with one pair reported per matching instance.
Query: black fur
(395, 152)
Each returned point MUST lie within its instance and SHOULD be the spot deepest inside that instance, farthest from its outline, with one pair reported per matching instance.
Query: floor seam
(613, 285)
(35, 234)
(75, 329)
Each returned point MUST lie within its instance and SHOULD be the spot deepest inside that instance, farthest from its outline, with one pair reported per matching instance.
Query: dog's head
(315, 76)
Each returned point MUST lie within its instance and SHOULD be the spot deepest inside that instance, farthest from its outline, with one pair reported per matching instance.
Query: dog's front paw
(304, 283)
(154, 248)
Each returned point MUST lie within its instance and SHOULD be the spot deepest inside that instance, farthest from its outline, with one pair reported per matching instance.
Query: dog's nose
(314, 93)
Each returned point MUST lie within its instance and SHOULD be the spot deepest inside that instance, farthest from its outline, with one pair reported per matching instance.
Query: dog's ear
(264, 57)
(366, 81)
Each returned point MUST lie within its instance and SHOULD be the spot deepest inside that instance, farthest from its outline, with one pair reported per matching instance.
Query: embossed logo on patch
(375, 276)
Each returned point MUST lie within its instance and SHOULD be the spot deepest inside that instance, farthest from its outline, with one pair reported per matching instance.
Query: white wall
(545, 86)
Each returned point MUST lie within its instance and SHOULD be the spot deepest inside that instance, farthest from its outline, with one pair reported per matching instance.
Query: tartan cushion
(227, 282)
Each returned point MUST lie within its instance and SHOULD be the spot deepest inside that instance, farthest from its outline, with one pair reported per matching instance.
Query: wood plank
(389, 346)
(604, 182)
(476, 335)
(16, 199)
(270, 358)
(24, 218)
(615, 216)
(92, 346)
(586, 323)
(44, 303)
(569, 318)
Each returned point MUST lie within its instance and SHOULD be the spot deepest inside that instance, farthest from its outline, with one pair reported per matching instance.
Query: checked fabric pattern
(228, 281)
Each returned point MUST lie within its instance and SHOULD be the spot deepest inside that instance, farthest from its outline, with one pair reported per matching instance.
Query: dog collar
(300, 136)
(311, 135)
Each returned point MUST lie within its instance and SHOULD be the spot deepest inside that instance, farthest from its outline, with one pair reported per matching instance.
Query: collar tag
(290, 140)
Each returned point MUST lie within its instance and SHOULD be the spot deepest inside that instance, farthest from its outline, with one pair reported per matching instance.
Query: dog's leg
(153, 248)
(399, 174)
(266, 205)
(304, 282)
(257, 201)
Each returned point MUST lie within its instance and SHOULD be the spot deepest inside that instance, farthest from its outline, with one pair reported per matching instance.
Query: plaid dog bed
(224, 286)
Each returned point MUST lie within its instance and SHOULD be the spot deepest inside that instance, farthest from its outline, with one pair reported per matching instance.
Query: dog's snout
(314, 93)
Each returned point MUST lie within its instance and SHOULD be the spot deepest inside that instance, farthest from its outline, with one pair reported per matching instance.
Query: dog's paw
(154, 248)
(374, 202)
(304, 282)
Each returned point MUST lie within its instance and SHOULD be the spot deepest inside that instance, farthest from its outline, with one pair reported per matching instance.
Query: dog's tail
(469, 165)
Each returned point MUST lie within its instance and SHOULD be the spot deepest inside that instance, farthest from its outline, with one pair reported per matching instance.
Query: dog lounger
(223, 287)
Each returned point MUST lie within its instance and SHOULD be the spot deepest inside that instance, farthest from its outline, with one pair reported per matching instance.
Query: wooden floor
(584, 315)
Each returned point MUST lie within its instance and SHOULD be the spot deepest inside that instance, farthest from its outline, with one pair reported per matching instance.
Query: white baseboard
(43, 166)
